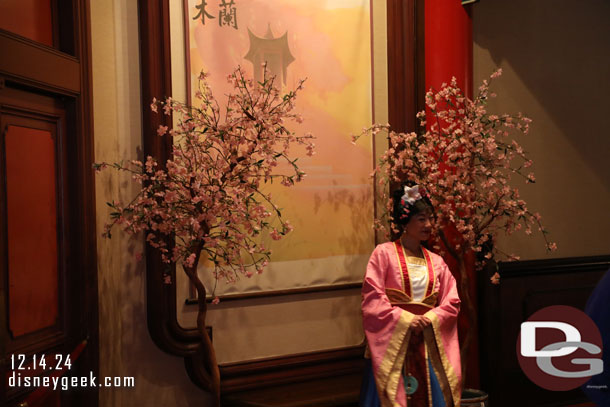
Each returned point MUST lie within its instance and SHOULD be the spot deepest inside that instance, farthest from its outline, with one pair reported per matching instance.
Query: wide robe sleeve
(386, 328)
(443, 331)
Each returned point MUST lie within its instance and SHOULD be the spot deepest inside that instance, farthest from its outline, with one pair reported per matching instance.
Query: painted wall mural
(329, 43)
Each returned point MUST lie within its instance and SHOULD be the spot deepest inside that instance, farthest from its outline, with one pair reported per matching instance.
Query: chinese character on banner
(227, 14)
(202, 12)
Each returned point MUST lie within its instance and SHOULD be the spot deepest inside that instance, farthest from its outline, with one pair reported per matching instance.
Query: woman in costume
(410, 307)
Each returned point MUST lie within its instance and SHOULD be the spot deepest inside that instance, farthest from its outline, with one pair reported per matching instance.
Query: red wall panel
(32, 229)
(29, 18)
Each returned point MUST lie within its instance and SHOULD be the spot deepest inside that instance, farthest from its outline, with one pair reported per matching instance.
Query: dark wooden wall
(526, 287)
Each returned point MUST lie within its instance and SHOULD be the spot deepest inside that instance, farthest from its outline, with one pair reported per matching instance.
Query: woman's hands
(419, 322)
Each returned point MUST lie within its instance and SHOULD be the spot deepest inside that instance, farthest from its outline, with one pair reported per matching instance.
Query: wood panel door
(48, 274)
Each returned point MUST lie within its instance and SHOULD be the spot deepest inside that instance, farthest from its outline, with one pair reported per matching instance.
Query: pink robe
(388, 309)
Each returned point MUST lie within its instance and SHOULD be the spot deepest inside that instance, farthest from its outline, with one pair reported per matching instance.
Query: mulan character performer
(410, 307)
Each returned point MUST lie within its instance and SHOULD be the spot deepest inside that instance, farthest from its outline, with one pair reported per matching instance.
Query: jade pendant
(410, 384)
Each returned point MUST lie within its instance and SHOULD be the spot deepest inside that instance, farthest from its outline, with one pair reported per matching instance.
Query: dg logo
(560, 348)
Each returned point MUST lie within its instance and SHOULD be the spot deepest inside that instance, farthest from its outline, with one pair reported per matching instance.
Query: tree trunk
(206, 347)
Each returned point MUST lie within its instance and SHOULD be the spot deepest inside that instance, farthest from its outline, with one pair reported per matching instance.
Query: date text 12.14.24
(57, 361)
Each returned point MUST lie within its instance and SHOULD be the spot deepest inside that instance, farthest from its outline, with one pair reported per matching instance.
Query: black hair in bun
(402, 211)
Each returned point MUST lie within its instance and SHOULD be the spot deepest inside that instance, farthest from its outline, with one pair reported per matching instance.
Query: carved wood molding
(156, 82)
(516, 269)
(53, 84)
(406, 82)
(155, 57)
(406, 57)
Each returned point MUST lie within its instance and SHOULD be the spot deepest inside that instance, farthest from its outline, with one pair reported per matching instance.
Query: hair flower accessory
(411, 195)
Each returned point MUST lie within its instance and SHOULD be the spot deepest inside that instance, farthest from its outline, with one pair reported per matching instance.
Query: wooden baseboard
(338, 391)
(296, 368)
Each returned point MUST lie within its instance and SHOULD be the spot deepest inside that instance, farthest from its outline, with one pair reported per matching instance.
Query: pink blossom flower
(497, 73)
(465, 158)
(310, 149)
(208, 193)
(190, 260)
(275, 235)
(167, 107)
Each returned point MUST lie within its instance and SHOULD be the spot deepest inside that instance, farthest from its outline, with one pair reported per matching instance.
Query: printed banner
(328, 42)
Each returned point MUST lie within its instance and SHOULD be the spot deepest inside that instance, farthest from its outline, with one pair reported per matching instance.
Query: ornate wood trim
(406, 65)
(80, 26)
(515, 269)
(53, 70)
(62, 73)
(406, 73)
(405, 23)
(162, 320)
(280, 293)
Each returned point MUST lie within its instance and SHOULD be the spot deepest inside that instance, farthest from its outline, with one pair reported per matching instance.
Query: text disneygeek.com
(66, 382)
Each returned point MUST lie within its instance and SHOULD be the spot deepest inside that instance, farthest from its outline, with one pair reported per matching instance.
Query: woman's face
(419, 226)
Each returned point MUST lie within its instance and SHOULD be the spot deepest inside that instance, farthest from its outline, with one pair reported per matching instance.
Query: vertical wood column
(405, 63)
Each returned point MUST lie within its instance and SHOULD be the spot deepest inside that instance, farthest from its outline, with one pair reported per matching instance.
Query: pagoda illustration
(274, 51)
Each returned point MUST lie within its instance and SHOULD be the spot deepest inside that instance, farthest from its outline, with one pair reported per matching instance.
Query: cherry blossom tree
(466, 160)
(208, 200)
